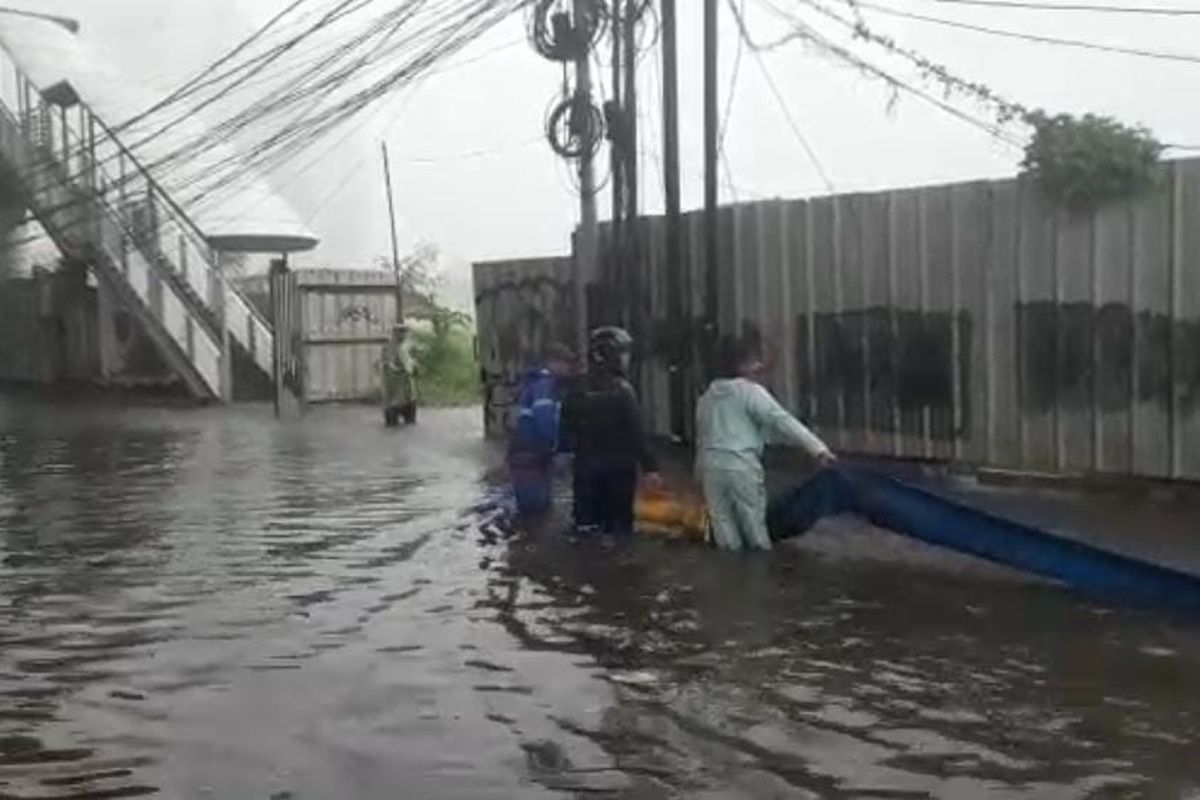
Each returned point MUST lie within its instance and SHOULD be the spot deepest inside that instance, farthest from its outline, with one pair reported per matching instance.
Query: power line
(733, 82)
(794, 125)
(337, 190)
(241, 74)
(1032, 37)
(1027, 6)
(723, 130)
(806, 33)
(310, 100)
(262, 64)
(337, 143)
(481, 153)
(744, 37)
(1004, 108)
(192, 83)
(464, 156)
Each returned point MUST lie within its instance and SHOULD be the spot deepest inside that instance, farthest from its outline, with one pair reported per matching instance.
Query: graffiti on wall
(527, 315)
(357, 313)
(1074, 355)
(882, 369)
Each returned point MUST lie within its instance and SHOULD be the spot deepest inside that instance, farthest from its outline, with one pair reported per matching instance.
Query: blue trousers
(532, 480)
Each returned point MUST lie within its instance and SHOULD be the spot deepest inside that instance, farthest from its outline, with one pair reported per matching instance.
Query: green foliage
(1084, 162)
(448, 371)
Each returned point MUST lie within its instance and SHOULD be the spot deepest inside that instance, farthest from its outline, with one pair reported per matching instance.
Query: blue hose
(914, 512)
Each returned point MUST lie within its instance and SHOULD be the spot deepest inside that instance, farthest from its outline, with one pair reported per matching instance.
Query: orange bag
(661, 513)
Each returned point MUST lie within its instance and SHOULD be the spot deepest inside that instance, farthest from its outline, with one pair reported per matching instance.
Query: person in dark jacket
(534, 441)
(602, 426)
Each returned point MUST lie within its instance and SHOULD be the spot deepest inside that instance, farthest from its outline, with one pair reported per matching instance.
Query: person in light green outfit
(399, 370)
(736, 417)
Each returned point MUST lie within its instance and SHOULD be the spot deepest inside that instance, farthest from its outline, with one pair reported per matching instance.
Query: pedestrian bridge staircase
(102, 207)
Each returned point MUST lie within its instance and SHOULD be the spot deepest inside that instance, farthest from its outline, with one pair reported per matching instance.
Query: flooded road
(204, 604)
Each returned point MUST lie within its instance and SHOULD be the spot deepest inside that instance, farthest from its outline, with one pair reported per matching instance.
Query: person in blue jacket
(534, 442)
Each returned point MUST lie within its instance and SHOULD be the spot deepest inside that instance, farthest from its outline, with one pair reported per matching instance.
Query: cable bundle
(559, 35)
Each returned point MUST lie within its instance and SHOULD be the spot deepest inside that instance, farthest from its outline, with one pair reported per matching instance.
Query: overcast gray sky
(471, 179)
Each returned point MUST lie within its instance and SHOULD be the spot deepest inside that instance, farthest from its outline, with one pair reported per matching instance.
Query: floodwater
(204, 604)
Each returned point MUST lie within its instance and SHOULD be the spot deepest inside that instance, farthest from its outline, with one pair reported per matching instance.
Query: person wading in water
(534, 442)
(602, 426)
(399, 379)
(735, 419)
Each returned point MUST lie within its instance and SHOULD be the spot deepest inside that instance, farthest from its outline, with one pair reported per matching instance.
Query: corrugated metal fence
(969, 322)
(521, 308)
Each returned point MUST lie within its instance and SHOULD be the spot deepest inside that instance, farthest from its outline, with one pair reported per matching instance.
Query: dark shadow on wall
(1075, 355)
(884, 369)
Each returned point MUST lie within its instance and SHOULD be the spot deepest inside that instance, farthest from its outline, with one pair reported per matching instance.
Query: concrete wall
(47, 329)
(56, 328)
(24, 347)
(968, 322)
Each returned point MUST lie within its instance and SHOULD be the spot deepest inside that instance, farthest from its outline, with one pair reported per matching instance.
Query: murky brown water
(203, 604)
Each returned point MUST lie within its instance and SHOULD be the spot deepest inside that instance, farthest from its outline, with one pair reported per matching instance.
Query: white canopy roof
(245, 214)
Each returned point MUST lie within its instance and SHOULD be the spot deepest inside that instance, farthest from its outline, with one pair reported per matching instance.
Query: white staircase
(100, 206)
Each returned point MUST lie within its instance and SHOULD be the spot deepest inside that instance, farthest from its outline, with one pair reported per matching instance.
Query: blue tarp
(905, 509)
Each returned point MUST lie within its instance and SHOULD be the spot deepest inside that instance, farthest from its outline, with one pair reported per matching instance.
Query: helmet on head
(607, 346)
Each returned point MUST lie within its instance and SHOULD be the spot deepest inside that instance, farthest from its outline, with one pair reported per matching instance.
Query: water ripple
(208, 604)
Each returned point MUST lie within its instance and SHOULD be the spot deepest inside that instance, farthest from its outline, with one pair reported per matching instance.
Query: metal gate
(330, 329)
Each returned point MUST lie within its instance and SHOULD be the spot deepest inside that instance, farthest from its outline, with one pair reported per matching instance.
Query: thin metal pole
(674, 256)
(387, 178)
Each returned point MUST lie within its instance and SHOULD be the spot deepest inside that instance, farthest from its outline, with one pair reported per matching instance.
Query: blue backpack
(537, 418)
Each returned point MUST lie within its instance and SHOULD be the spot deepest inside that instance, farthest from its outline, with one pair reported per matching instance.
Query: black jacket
(601, 424)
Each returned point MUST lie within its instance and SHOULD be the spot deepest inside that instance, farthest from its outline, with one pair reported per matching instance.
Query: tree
(445, 354)
(421, 278)
(1084, 162)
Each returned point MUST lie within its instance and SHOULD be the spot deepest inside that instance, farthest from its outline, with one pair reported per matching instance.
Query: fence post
(287, 374)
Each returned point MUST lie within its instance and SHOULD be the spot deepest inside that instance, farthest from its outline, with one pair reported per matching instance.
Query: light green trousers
(737, 507)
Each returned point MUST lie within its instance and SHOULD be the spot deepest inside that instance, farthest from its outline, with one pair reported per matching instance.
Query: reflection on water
(206, 604)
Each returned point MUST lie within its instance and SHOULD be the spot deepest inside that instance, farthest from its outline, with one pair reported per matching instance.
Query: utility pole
(675, 278)
(632, 17)
(629, 144)
(586, 238)
(616, 148)
(387, 179)
(711, 164)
